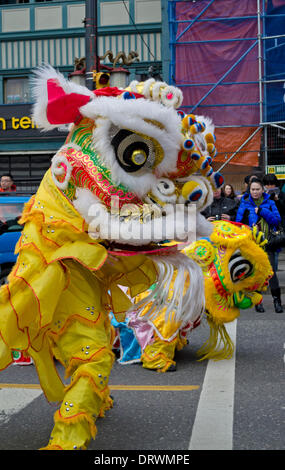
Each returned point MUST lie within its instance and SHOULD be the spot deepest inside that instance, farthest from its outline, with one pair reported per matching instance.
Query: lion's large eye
(239, 267)
(133, 151)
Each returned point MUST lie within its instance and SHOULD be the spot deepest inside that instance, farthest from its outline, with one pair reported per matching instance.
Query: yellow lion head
(131, 154)
(235, 267)
(236, 270)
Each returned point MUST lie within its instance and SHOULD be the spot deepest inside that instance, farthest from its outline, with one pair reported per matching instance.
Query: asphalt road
(242, 401)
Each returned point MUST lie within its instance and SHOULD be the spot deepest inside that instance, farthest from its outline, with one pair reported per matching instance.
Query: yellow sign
(278, 170)
(24, 122)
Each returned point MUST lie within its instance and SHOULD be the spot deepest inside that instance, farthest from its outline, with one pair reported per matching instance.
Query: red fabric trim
(13, 188)
(114, 91)
(63, 108)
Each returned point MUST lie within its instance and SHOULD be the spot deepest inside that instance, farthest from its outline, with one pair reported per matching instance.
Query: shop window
(16, 90)
(27, 170)
(147, 11)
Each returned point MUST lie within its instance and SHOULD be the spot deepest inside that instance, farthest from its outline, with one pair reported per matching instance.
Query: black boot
(259, 308)
(276, 294)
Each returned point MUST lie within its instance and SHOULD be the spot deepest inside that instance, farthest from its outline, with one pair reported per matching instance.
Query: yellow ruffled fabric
(56, 304)
(159, 355)
(62, 283)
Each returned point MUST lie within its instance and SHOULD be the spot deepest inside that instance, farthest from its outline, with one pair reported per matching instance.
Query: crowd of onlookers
(262, 203)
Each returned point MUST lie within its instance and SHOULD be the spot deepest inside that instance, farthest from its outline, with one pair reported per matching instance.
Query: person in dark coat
(271, 186)
(222, 208)
(246, 183)
(257, 208)
(228, 191)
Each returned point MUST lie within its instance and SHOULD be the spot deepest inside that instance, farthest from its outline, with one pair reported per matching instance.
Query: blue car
(11, 208)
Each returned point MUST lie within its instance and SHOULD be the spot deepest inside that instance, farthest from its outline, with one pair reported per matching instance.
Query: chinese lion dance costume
(236, 270)
(102, 218)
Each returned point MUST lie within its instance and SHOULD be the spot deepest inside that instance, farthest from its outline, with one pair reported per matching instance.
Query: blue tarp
(275, 61)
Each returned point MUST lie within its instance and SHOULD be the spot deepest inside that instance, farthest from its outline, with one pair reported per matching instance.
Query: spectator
(258, 209)
(7, 183)
(246, 182)
(222, 208)
(271, 186)
(229, 192)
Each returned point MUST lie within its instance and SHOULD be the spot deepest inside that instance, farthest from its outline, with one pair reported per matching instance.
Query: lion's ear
(201, 251)
(56, 100)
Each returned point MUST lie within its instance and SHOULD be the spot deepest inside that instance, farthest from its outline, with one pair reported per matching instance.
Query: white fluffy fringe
(185, 307)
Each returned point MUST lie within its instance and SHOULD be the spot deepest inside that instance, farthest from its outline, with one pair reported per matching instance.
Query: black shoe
(276, 295)
(277, 305)
(259, 308)
(117, 352)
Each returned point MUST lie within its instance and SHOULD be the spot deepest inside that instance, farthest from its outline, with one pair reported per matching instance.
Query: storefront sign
(16, 124)
(278, 170)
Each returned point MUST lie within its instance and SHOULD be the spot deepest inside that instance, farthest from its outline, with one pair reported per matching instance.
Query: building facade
(34, 32)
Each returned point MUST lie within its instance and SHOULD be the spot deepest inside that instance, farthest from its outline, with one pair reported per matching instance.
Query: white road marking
(13, 400)
(213, 426)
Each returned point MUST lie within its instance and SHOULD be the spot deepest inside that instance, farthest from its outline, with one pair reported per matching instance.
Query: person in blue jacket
(257, 208)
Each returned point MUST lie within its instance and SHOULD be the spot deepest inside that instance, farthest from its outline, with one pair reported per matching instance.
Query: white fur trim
(208, 123)
(185, 307)
(58, 170)
(204, 228)
(132, 115)
(84, 200)
(133, 85)
(156, 90)
(199, 138)
(176, 99)
(165, 194)
(146, 87)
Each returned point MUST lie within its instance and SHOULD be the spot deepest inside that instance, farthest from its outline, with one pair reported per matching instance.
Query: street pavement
(281, 272)
(226, 405)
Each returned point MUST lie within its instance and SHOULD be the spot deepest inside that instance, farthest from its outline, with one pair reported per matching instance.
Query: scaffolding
(228, 58)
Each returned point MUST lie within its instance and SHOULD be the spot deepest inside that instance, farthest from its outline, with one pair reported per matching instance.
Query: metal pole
(196, 18)
(265, 143)
(173, 42)
(264, 117)
(259, 62)
(91, 42)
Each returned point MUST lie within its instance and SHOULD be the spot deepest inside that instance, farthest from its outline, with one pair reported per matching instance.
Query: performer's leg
(159, 355)
(86, 353)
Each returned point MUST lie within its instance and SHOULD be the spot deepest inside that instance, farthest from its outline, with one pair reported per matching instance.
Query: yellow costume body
(56, 305)
(168, 336)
